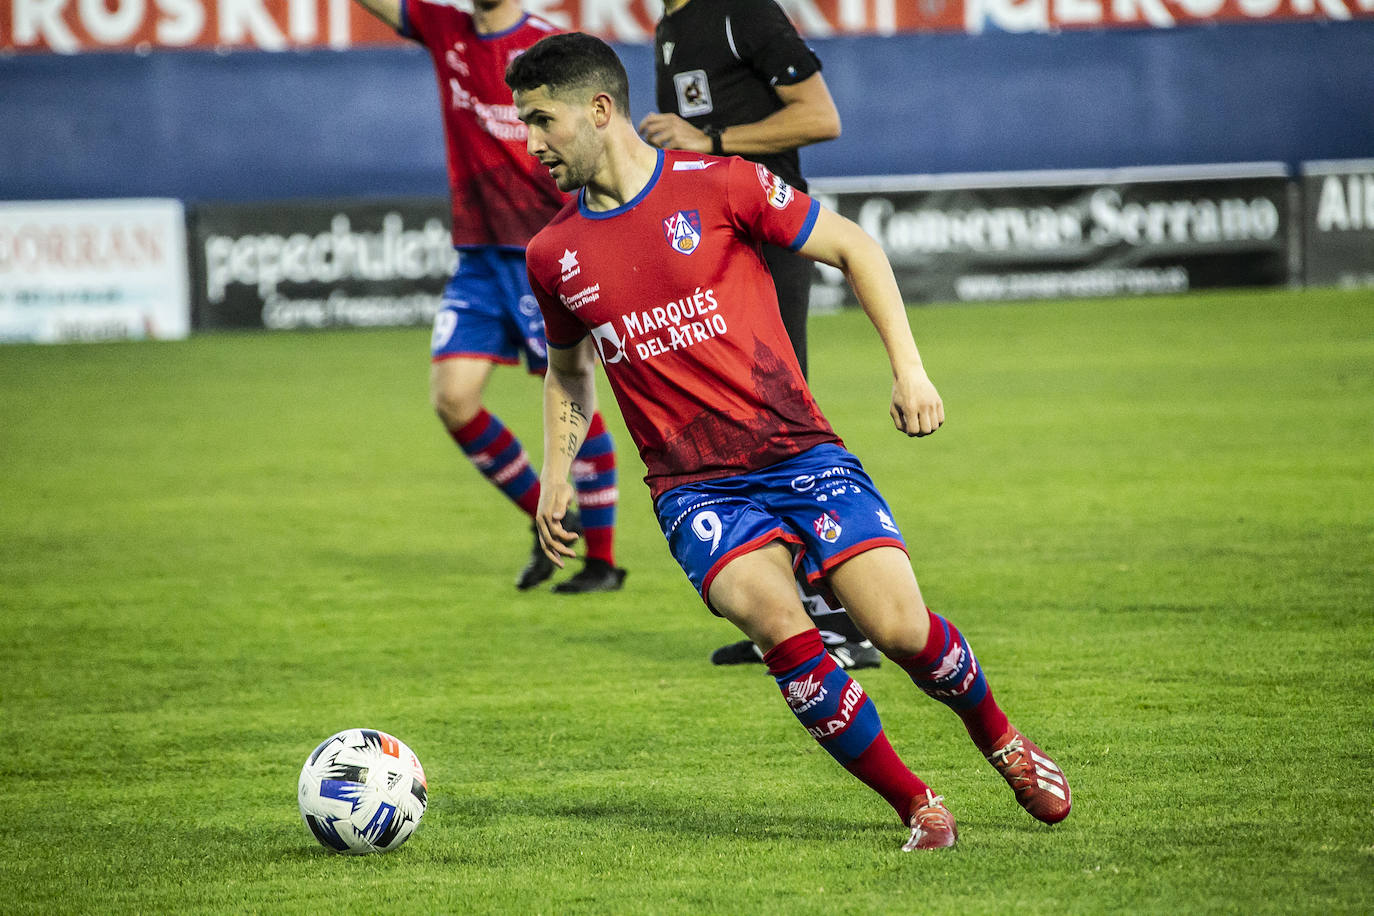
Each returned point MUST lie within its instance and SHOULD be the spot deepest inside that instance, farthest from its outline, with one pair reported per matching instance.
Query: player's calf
(946, 670)
(835, 710)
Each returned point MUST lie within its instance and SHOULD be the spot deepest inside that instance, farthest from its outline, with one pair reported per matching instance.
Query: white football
(362, 791)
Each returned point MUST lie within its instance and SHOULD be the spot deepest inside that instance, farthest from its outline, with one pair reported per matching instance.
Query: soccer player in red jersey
(733, 77)
(500, 198)
(655, 268)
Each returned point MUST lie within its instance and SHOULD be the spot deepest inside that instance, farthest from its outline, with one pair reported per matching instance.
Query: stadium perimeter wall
(149, 193)
(128, 268)
(254, 125)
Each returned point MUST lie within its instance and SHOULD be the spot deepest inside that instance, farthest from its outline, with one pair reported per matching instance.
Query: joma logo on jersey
(683, 231)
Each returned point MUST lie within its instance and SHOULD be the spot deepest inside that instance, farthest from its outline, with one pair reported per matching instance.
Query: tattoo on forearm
(572, 412)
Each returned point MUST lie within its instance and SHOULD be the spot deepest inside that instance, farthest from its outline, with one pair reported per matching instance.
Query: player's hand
(555, 540)
(916, 406)
(668, 131)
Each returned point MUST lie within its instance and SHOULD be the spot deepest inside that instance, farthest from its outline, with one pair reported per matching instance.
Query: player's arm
(389, 11)
(569, 402)
(808, 115)
(916, 406)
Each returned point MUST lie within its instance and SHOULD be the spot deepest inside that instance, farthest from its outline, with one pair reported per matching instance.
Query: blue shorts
(821, 503)
(488, 311)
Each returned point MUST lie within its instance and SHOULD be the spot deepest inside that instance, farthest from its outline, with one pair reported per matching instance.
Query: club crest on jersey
(683, 231)
(778, 191)
(828, 527)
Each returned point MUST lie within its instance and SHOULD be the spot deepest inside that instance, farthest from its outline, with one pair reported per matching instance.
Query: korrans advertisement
(93, 270)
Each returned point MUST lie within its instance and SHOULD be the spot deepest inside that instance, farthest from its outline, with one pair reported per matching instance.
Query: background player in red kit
(655, 267)
(500, 198)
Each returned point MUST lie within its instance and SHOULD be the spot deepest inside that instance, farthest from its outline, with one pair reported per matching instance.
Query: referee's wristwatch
(714, 133)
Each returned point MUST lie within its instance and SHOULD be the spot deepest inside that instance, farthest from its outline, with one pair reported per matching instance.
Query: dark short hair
(571, 61)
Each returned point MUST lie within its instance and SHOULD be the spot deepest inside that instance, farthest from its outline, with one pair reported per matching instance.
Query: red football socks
(947, 671)
(836, 712)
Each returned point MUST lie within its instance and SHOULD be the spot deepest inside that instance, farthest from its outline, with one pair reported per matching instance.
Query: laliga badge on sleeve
(779, 192)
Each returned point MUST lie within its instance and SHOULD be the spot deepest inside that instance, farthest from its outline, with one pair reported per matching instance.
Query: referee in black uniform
(735, 78)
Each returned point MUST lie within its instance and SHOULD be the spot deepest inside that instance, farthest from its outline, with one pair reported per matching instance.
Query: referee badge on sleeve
(693, 93)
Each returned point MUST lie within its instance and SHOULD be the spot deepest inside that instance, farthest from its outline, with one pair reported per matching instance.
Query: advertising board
(1338, 223)
(93, 270)
(286, 265)
(73, 26)
(1050, 235)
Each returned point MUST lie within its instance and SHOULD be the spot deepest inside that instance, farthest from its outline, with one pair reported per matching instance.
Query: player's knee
(898, 632)
(767, 620)
(454, 406)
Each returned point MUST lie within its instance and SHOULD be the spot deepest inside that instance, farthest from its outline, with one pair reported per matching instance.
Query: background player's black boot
(536, 570)
(852, 655)
(596, 576)
(540, 567)
(743, 652)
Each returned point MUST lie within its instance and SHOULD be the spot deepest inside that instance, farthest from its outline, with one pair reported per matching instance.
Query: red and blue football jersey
(675, 293)
(500, 194)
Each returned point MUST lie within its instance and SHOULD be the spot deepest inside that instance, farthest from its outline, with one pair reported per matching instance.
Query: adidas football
(362, 791)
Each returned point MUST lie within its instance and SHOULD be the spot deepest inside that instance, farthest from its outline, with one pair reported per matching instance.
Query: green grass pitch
(1153, 518)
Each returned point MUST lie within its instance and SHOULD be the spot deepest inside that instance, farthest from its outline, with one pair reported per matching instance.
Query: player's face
(561, 136)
